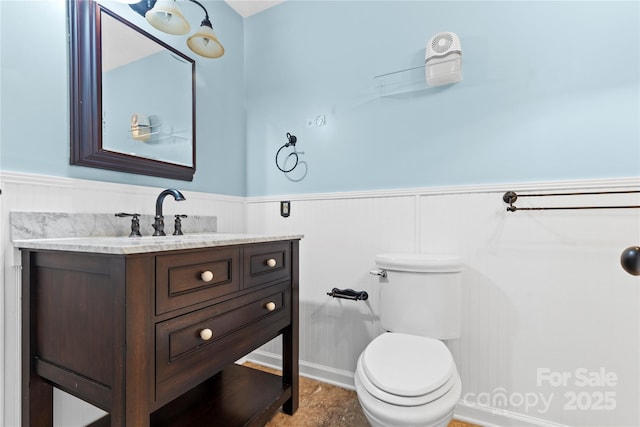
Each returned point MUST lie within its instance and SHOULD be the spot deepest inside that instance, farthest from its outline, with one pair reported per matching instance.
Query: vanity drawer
(266, 262)
(190, 278)
(191, 347)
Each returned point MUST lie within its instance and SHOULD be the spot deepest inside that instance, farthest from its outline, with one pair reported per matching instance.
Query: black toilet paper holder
(348, 294)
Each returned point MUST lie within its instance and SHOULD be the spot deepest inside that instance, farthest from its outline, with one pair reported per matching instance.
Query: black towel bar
(510, 197)
(630, 258)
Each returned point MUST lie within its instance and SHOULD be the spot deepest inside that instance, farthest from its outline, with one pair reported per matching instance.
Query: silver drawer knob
(206, 276)
(271, 262)
(270, 306)
(206, 334)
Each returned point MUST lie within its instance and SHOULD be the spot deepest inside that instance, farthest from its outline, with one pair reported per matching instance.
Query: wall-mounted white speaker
(443, 59)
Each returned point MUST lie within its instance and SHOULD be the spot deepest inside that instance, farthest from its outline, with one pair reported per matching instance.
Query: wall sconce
(166, 16)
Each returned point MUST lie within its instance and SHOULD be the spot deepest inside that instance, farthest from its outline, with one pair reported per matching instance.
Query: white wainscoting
(543, 290)
(38, 193)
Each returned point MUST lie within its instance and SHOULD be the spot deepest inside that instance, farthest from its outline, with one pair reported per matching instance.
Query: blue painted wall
(550, 92)
(34, 127)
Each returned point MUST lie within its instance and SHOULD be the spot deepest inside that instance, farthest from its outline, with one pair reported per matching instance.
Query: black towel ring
(291, 141)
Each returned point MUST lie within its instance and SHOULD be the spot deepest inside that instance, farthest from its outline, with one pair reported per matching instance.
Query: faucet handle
(135, 223)
(178, 225)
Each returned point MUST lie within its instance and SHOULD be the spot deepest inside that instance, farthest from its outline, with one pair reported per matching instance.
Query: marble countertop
(146, 244)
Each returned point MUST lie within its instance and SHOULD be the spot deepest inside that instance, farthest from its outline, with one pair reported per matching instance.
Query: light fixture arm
(144, 5)
(206, 14)
(206, 20)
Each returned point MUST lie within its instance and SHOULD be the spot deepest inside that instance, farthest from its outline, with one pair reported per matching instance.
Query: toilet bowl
(407, 377)
(407, 380)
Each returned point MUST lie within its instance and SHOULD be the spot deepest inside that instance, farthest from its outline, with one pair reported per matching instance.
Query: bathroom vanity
(148, 329)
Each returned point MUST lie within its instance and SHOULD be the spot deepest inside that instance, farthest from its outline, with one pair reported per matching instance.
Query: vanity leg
(37, 395)
(290, 370)
(290, 343)
(37, 403)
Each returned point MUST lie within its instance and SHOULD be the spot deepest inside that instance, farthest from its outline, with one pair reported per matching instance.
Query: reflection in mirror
(146, 96)
(132, 112)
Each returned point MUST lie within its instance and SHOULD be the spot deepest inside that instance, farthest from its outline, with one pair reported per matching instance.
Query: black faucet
(159, 219)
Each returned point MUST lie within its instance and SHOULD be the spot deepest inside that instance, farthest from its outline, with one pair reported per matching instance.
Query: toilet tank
(421, 294)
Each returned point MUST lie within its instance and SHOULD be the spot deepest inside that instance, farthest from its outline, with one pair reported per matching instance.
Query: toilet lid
(361, 378)
(407, 365)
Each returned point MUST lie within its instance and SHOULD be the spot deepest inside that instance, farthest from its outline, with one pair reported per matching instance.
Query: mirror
(132, 97)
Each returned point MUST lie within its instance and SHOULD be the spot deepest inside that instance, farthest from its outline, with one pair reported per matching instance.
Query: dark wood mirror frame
(86, 100)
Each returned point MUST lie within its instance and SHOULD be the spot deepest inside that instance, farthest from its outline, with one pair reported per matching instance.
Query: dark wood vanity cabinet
(152, 338)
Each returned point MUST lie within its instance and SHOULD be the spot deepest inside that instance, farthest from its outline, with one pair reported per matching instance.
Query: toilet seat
(434, 414)
(406, 370)
(396, 400)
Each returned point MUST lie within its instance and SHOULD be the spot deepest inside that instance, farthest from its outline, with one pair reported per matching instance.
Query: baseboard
(488, 416)
(311, 370)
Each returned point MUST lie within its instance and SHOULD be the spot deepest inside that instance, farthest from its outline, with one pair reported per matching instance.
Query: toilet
(407, 376)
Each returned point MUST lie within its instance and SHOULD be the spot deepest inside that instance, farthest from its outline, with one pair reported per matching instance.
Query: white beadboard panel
(542, 289)
(229, 210)
(3, 233)
(341, 239)
(43, 193)
(468, 225)
(314, 371)
(38, 193)
(82, 414)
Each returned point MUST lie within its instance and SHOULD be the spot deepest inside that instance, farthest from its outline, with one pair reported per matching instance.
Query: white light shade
(167, 17)
(205, 43)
